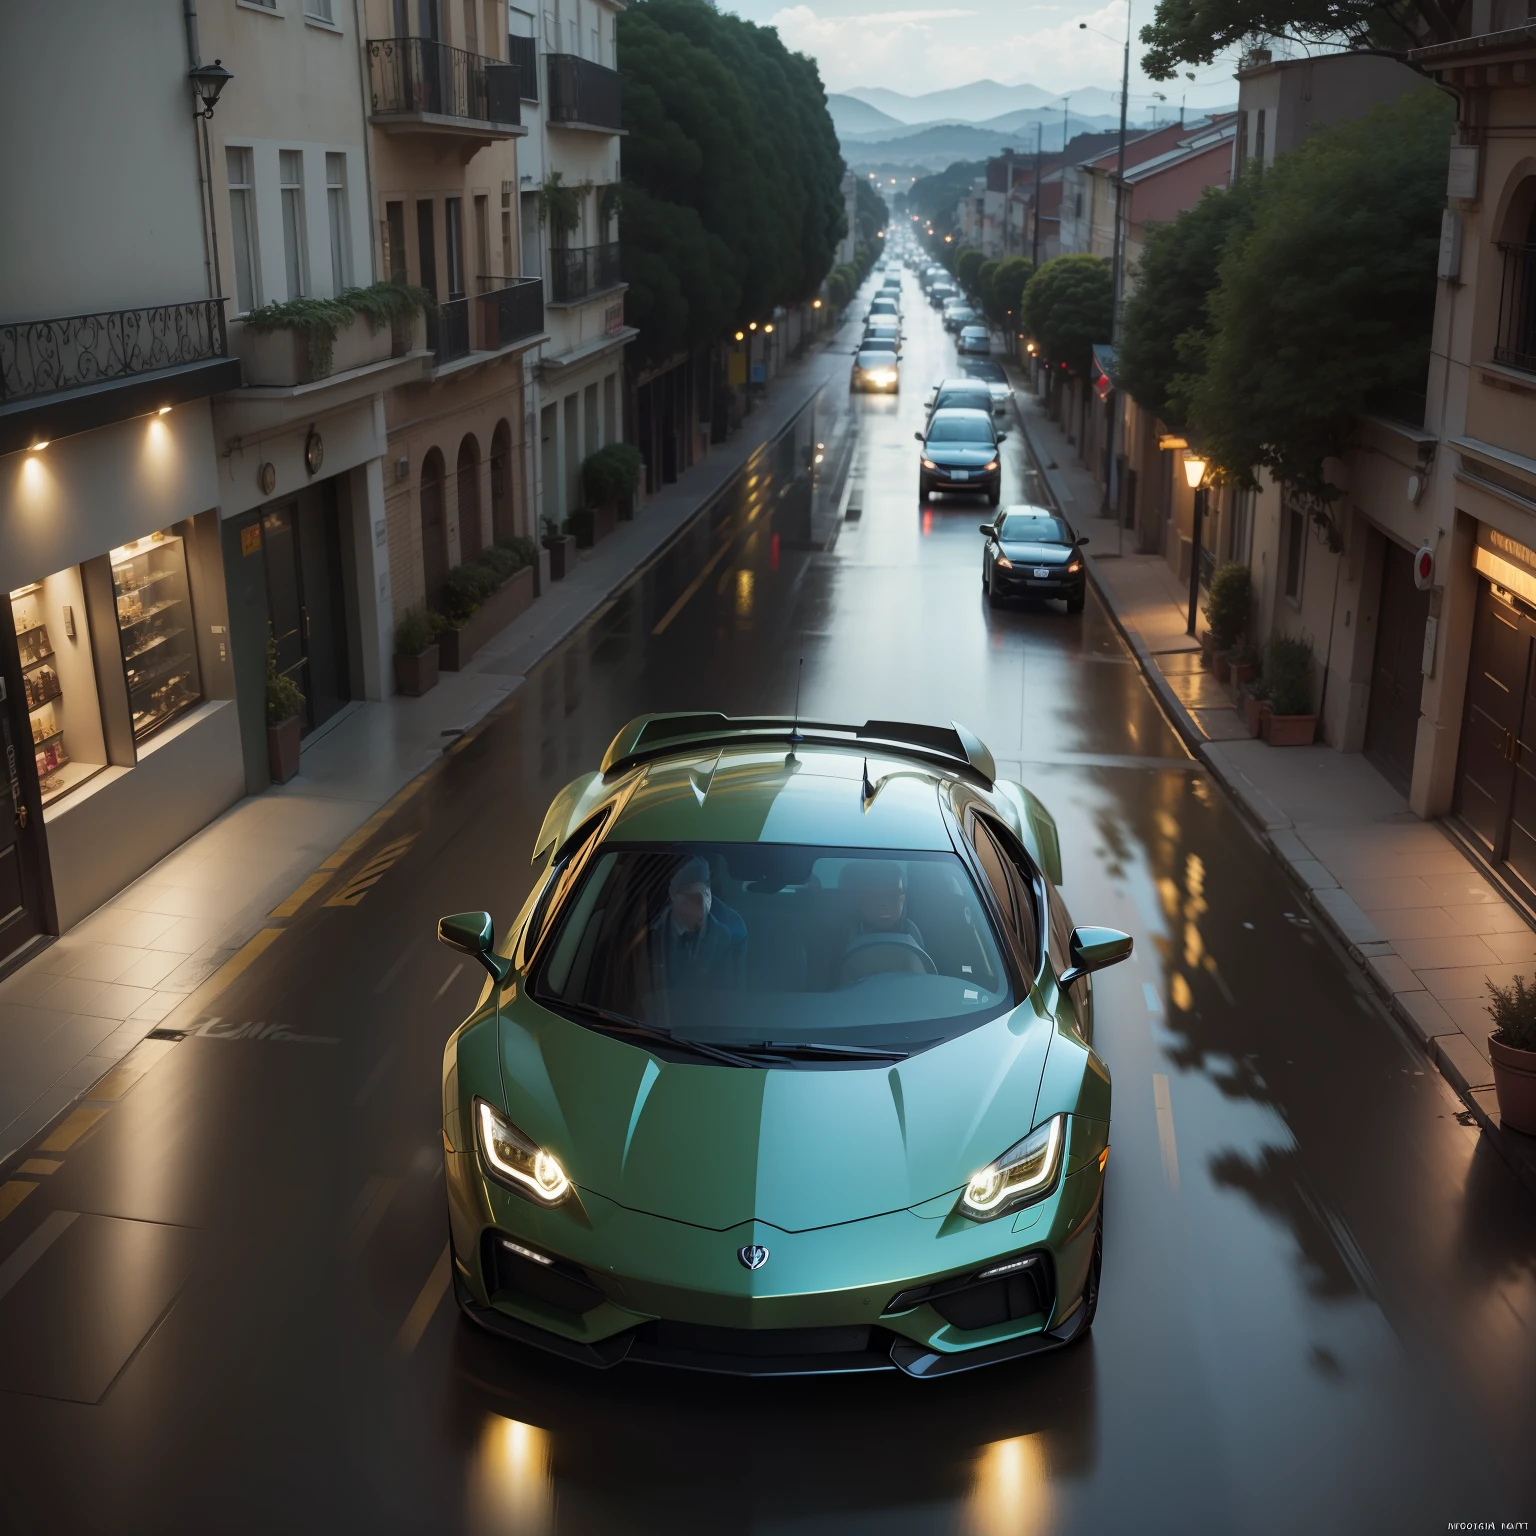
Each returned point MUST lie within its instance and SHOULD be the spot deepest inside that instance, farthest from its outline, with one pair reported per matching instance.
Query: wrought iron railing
(448, 330)
(583, 92)
(588, 269)
(416, 74)
(42, 357)
(525, 59)
(1517, 309)
(510, 311)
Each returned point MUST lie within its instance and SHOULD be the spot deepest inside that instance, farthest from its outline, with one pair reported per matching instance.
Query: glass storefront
(154, 618)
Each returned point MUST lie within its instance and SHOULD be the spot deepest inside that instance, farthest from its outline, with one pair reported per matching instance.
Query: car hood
(1039, 554)
(962, 454)
(798, 1148)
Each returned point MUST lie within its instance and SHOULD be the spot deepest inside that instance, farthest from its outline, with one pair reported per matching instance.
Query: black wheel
(994, 597)
(1095, 1270)
(994, 496)
(924, 490)
(1075, 604)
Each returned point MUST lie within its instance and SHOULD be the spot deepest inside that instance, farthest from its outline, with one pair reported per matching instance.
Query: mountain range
(979, 102)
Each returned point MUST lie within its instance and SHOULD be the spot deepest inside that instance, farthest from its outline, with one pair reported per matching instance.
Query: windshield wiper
(793, 1048)
(621, 1023)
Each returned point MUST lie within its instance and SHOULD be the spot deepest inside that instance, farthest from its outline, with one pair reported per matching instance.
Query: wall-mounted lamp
(1194, 470)
(209, 80)
(164, 410)
(38, 447)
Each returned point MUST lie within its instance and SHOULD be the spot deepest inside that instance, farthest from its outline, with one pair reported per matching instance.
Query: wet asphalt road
(1319, 1296)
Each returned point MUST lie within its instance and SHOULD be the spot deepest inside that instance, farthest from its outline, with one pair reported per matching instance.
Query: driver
(879, 891)
(696, 942)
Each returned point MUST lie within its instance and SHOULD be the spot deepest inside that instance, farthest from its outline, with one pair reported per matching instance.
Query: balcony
(71, 374)
(524, 53)
(419, 86)
(504, 312)
(580, 273)
(584, 95)
(1516, 346)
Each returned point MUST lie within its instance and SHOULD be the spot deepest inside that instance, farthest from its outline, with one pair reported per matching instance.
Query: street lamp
(209, 80)
(1194, 475)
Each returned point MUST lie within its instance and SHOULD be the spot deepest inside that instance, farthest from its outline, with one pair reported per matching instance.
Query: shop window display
(154, 616)
(65, 725)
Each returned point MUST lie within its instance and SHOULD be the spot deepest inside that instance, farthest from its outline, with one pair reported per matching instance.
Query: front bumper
(1022, 581)
(868, 382)
(942, 479)
(909, 1290)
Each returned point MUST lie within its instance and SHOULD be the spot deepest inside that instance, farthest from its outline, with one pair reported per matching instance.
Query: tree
(1002, 287)
(1069, 304)
(1193, 32)
(870, 213)
(1327, 299)
(933, 198)
(1165, 317)
(967, 265)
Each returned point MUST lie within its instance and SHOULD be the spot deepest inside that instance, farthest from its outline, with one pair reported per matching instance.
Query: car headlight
(1004, 561)
(1022, 1174)
(512, 1159)
(929, 464)
(1074, 568)
(990, 467)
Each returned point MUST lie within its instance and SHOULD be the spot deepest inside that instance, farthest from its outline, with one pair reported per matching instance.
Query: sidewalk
(153, 954)
(1414, 912)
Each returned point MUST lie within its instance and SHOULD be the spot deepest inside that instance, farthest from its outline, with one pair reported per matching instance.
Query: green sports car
(786, 1066)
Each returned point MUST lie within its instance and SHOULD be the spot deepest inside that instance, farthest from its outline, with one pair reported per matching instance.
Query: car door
(1012, 881)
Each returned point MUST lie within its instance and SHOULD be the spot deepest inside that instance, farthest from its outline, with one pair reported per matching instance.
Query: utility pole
(1035, 244)
(1119, 269)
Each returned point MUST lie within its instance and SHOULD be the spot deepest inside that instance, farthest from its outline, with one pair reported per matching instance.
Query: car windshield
(1034, 528)
(960, 429)
(878, 344)
(964, 399)
(873, 357)
(974, 331)
(750, 944)
(991, 373)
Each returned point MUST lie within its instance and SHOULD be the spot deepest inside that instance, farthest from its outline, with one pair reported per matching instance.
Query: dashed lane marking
(426, 1303)
(1154, 1002)
(69, 1130)
(453, 976)
(12, 1193)
(1165, 1141)
(40, 1165)
(703, 576)
(371, 872)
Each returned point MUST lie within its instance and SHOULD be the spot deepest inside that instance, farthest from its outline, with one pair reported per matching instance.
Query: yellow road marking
(235, 966)
(703, 576)
(40, 1165)
(290, 905)
(371, 873)
(1170, 1150)
(12, 1193)
(71, 1129)
(426, 1304)
(129, 1070)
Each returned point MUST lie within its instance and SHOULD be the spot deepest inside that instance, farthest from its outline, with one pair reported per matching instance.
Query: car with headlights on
(1032, 552)
(875, 369)
(974, 340)
(961, 453)
(786, 1065)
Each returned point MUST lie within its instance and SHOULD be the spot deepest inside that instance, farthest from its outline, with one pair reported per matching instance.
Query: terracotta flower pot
(414, 675)
(1222, 667)
(1254, 710)
(1243, 672)
(562, 555)
(283, 749)
(1514, 1081)
(1207, 649)
(1290, 730)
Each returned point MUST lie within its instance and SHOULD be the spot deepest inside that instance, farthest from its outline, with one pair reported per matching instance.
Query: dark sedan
(1031, 552)
(960, 453)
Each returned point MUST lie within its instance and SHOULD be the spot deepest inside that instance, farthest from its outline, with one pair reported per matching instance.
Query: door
(305, 608)
(1392, 717)
(285, 605)
(434, 529)
(24, 901)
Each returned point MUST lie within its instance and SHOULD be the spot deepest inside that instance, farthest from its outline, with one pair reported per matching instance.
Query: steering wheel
(867, 964)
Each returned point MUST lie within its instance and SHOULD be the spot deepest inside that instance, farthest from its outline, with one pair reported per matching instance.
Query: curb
(1336, 917)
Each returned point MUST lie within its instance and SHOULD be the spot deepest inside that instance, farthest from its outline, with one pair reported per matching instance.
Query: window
(1295, 551)
(290, 180)
(394, 243)
(1014, 886)
(320, 10)
(482, 235)
(532, 244)
(242, 224)
(154, 617)
(426, 248)
(453, 234)
(1258, 140)
(336, 209)
(737, 944)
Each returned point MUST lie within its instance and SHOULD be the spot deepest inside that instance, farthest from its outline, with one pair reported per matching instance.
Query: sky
(917, 48)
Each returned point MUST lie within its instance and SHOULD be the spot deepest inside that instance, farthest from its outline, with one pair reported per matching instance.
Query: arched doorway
(471, 537)
(501, 482)
(434, 528)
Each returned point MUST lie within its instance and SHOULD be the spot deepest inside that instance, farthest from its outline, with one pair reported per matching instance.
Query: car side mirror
(918, 436)
(986, 530)
(1092, 949)
(473, 933)
(1083, 540)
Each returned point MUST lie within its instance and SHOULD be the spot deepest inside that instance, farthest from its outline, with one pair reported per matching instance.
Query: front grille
(556, 1284)
(760, 1343)
(984, 1298)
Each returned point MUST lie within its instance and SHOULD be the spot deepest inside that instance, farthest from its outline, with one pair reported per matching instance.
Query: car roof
(950, 412)
(881, 352)
(1029, 509)
(966, 328)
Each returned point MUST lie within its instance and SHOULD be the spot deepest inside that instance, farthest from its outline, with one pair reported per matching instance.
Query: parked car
(883, 306)
(684, 1150)
(876, 368)
(958, 314)
(942, 293)
(990, 373)
(1031, 552)
(960, 453)
(975, 340)
(959, 394)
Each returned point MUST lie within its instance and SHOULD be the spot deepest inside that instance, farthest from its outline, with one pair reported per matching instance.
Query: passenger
(879, 891)
(697, 942)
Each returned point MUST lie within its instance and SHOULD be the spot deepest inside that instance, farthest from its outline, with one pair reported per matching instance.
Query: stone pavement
(1411, 907)
(149, 957)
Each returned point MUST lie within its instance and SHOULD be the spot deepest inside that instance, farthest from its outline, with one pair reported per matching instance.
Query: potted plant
(1512, 1045)
(1255, 704)
(481, 597)
(1226, 611)
(611, 477)
(1288, 667)
(561, 547)
(1243, 664)
(301, 340)
(416, 651)
(581, 525)
(285, 703)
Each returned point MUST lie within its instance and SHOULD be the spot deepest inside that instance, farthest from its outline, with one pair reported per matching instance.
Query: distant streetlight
(1194, 470)
(1194, 473)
